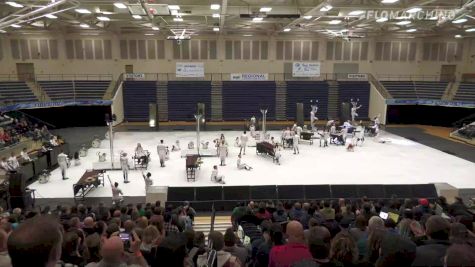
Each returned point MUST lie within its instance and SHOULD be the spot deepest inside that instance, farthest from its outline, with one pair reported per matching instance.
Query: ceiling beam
(222, 17)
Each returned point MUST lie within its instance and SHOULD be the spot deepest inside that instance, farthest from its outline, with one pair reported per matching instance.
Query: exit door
(447, 73)
(25, 71)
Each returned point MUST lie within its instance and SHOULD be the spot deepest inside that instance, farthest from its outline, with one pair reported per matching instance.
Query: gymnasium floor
(399, 161)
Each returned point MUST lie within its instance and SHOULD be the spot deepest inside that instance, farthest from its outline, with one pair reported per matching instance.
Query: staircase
(38, 91)
(333, 105)
(203, 224)
(280, 100)
(216, 101)
(162, 100)
(108, 95)
(451, 91)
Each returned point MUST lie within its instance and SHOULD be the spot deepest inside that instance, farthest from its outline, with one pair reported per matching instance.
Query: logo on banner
(249, 76)
(190, 69)
(306, 69)
(358, 76)
(135, 76)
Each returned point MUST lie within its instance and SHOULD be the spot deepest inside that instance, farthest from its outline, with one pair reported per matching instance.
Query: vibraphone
(89, 180)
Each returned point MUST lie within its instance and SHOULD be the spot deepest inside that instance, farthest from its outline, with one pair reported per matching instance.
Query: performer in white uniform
(116, 194)
(162, 153)
(296, 139)
(252, 126)
(24, 155)
(215, 176)
(242, 166)
(124, 164)
(277, 154)
(13, 161)
(313, 115)
(354, 108)
(176, 146)
(148, 181)
(223, 153)
(244, 140)
(63, 162)
(140, 154)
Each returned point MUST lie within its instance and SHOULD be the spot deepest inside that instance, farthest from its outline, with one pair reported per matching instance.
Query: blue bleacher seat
(183, 97)
(430, 90)
(356, 90)
(16, 92)
(242, 100)
(75, 90)
(137, 96)
(401, 89)
(303, 92)
(466, 92)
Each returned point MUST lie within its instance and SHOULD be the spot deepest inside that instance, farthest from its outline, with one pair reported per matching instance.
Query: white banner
(190, 69)
(306, 69)
(358, 76)
(249, 76)
(136, 76)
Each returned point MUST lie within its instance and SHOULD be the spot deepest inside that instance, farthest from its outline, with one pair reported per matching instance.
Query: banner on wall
(135, 76)
(306, 69)
(53, 104)
(429, 102)
(249, 76)
(358, 76)
(190, 69)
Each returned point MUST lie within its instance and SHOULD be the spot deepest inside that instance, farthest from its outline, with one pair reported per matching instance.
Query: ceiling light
(13, 4)
(83, 11)
(107, 12)
(458, 21)
(265, 9)
(215, 7)
(458, 36)
(120, 5)
(2, 31)
(216, 29)
(137, 16)
(83, 25)
(103, 18)
(174, 7)
(326, 8)
(149, 34)
(174, 12)
(257, 19)
(51, 16)
(287, 30)
(389, 1)
(247, 35)
(470, 30)
(411, 30)
(177, 19)
(307, 17)
(383, 19)
(334, 22)
(356, 13)
(345, 30)
(16, 26)
(216, 16)
(414, 10)
(155, 28)
(434, 18)
(404, 22)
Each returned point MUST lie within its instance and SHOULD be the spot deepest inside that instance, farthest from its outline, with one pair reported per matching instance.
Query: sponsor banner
(306, 69)
(190, 69)
(55, 104)
(135, 76)
(430, 102)
(358, 76)
(249, 76)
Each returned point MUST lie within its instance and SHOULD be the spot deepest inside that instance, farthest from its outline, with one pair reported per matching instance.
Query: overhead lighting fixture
(84, 25)
(101, 18)
(83, 11)
(411, 30)
(155, 28)
(265, 9)
(383, 19)
(137, 16)
(326, 8)
(51, 16)
(356, 13)
(107, 12)
(149, 34)
(470, 30)
(216, 15)
(174, 7)
(404, 22)
(334, 22)
(174, 12)
(216, 29)
(14, 4)
(177, 19)
(120, 5)
(287, 30)
(2, 31)
(16, 26)
(215, 7)
(247, 35)
(257, 19)
(458, 36)
(389, 1)
(307, 17)
(414, 10)
(458, 21)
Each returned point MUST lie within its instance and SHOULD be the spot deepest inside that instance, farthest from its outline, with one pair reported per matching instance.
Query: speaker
(16, 184)
(345, 111)
(152, 115)
(299, 114)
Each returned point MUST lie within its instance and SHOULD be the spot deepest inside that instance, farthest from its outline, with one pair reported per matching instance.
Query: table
(89, 180)
(192, 163)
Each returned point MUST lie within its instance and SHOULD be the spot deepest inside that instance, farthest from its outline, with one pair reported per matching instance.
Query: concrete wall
(117, 106)
(377, 105)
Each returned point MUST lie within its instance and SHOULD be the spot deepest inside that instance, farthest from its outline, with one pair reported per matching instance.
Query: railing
(227, 77)
(380, 87)
(69, 77)
(414, 78)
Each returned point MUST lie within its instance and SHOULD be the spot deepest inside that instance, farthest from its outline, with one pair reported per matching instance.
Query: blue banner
(53, 104)
(431, 102)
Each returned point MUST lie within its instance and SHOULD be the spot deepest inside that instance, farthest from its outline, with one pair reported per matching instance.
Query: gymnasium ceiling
(346, 19)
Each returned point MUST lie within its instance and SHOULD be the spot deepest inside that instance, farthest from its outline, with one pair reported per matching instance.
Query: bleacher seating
(401, 89)
(16, 92)
(430, 90)
(355, 90)
(466, 92)
(74, 90)
(183, 97)
(242, 100)
(137, 96)
(303, 92)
